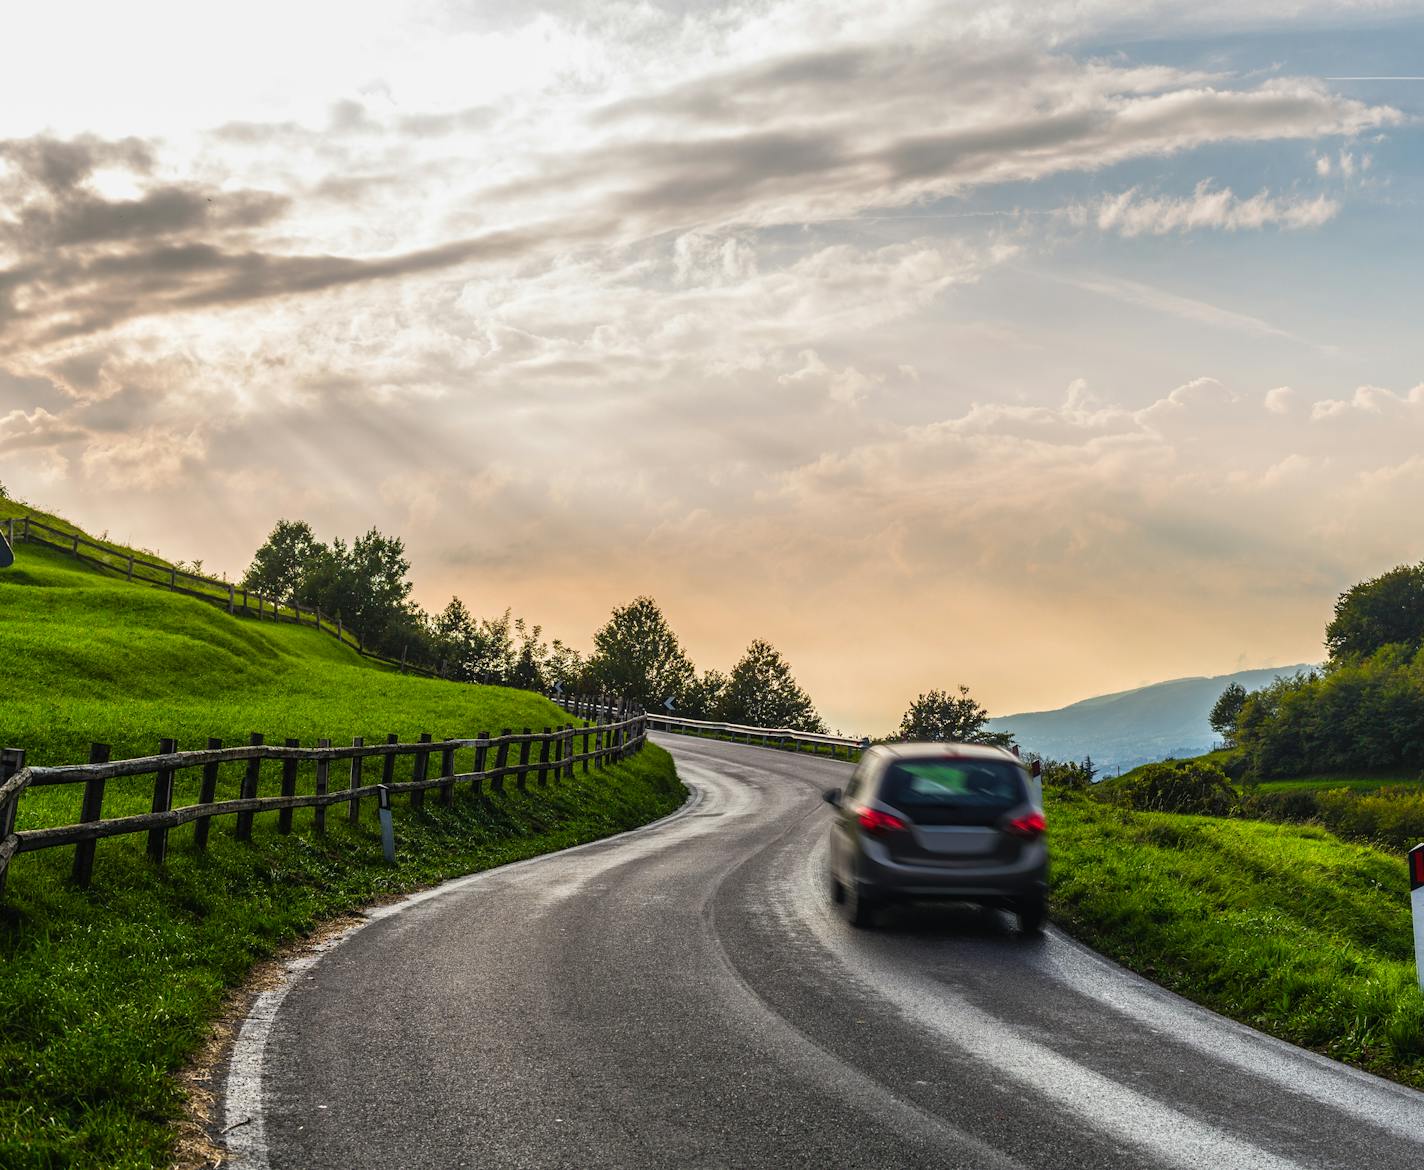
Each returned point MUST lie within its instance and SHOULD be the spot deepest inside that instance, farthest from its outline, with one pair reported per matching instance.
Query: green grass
(1284, 927)
(1362, 780)
(107, 992)
(90, 659)
(1357, 781)
(150, 569)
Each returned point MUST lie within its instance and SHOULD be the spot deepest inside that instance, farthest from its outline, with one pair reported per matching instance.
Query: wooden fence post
(566, 751)
(356, 761)
(481, 751)
(172, 573)
(75, 549)
(248, 791)
(388, 765)
(585, 751)
(403, 650)
(162, 803)
(447, 768)
(323, 774)
(544, 756)
(232, 599)
(501, 759)
(289, 788)
(207, 793)
(422, 770)
(90, 811)
(521, 778)
(11, 761)
(10, 532)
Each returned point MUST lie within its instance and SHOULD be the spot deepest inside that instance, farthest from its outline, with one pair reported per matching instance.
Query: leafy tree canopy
(703, 698)
(1227, 710)
(637, 655)
(1386, 610)
(366, 586)
(277, 567)
(761, 692)
(940, 716)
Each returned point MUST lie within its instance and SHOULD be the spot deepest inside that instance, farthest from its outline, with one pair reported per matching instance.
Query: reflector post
(1416, 898)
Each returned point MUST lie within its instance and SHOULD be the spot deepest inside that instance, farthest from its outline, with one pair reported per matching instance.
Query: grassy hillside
(108, 991)
(88, 657)
(1284, 927)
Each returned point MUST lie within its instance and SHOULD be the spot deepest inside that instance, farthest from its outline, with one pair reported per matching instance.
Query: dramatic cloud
(1133, 214)
(766, 310)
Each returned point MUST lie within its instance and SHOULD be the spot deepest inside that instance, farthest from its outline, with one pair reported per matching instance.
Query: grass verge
(107, 992)
(1284, 927)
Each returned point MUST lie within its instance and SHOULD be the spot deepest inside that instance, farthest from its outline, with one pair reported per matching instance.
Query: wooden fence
(307, 781)
(224, 594)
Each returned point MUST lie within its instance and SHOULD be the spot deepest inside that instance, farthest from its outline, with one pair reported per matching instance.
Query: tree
(703, 699)
(1386, 610)
(939, 716)
(366, 586)
(1226, 711)
(760, 692)
(278, 566)
(453, 634)
(637, 655)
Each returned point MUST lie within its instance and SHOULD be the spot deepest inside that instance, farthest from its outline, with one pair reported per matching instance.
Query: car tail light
(1028, 826)
(876, 823)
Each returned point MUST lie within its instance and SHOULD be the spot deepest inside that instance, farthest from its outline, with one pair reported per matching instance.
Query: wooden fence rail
(560, 751)
(223, 594)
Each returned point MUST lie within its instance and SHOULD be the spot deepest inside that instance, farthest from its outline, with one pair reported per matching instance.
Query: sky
(1047, 348)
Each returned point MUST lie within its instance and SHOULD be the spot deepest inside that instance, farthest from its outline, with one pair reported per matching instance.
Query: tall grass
(1285, 927)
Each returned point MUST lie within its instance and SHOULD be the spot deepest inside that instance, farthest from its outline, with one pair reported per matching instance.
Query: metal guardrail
(777, 737)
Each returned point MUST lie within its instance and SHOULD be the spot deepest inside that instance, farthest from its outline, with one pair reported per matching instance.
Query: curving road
(685, 996)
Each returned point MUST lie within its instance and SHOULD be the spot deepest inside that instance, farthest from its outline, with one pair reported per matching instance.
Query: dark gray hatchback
(951, 821)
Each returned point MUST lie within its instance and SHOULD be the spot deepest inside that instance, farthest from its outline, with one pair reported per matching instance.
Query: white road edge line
(243, 1129)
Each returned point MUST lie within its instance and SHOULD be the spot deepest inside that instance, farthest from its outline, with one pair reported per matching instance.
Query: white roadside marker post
(1416, 898)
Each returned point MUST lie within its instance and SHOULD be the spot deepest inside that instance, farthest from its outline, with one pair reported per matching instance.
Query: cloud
(1132, 214)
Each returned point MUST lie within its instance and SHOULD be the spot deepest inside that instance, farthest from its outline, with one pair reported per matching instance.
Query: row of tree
(635, 653)
(1363, 710)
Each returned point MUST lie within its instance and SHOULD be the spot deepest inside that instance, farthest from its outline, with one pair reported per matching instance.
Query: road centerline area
(686, 996)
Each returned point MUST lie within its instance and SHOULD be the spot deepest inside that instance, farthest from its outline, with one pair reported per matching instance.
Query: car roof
(947, 749)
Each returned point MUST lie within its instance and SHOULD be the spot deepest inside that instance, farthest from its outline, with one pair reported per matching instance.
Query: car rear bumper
(882, 877)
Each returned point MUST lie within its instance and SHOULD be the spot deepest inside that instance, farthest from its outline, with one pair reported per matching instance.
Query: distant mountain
(1129, 728)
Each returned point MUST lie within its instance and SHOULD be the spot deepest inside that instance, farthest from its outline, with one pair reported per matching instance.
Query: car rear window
(953, 791)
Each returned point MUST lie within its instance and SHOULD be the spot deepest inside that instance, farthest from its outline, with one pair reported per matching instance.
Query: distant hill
(1135, 727)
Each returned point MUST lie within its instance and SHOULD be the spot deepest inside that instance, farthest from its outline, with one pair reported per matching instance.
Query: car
(939, 821)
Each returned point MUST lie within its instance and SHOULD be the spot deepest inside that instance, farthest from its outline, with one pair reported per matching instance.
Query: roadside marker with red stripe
(1416, 898)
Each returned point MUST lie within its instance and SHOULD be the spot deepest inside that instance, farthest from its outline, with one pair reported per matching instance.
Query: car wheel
(859, 907)
(1032, 912)
(837, 890)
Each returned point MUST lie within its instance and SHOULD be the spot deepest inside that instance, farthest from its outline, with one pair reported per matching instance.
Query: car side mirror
(832, 796)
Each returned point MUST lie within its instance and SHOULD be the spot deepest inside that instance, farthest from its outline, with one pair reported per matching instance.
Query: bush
(1297, 806)
(1392, 816)
(1187, 787)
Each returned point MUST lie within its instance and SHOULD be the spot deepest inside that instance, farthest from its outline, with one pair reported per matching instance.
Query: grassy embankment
(1285, 927)
(107, 992)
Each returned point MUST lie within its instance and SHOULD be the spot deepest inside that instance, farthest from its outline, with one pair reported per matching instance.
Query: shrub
(1187, 787)
(1296, 805)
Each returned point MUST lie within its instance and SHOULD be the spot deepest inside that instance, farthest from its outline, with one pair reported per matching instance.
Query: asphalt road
(687, 996)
